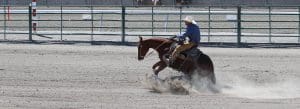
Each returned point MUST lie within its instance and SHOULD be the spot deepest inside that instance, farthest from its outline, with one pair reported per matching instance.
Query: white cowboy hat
(189, 19)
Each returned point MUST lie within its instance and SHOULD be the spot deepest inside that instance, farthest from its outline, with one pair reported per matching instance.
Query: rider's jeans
(182, 48)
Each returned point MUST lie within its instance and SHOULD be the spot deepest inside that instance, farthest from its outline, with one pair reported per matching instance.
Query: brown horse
(203, 65)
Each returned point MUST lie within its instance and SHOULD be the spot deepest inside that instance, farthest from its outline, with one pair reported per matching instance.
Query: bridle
(154, 49)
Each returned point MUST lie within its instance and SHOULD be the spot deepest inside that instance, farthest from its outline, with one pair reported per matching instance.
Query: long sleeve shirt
(192, 32)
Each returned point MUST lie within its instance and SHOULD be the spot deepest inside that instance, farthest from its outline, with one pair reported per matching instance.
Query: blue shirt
(192, 32)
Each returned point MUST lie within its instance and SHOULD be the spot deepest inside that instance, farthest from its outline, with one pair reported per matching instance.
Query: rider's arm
(188, 32)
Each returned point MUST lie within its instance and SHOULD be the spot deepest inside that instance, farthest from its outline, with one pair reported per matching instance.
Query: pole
(239, 34)
(166, 24)
(209, 22)
(30, 22)
(92, 15)
(61, 22)
(34, 24)
(299, 24)
(152, 18)
(180, 18)
(101, 21)
(4, 33)
(8, 10)
(270, 26)
(123, 24)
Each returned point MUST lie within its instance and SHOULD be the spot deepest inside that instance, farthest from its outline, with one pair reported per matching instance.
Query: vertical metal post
(166, 24)
(61, 22)
(123, 24)
(101, 20)
(180, 18)
(30, 22)
(299, 24)
(152, 19)
(239, 32)
(209, 22)
(270, 25)
(92, 24)
(8, 10)
(4, 33)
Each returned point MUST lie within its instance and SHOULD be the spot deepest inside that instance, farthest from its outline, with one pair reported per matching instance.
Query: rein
(156, 48)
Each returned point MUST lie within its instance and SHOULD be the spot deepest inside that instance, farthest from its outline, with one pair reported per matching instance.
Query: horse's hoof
(155, 77)
(155, 72)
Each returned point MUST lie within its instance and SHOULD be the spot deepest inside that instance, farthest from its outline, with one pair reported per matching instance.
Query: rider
(192, 32)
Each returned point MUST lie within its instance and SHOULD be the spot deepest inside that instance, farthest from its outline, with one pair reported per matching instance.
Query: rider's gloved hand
(173, 37)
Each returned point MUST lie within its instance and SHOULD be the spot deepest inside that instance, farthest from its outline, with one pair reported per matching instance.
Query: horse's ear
(141, 38)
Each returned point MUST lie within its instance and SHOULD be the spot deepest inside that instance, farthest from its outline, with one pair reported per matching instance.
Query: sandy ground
(111, 77)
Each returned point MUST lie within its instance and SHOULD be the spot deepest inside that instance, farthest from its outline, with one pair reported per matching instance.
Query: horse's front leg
(159, 66)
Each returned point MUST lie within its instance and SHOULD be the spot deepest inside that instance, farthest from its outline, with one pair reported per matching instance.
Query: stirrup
(168, 56)
(172, 59)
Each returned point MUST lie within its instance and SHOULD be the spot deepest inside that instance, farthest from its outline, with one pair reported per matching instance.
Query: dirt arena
(52, 76)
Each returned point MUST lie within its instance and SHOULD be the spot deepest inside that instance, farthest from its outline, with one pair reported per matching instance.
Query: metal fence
(148, 2)
(221, 24)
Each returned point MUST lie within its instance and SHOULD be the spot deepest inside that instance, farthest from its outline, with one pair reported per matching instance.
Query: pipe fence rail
(221, 24)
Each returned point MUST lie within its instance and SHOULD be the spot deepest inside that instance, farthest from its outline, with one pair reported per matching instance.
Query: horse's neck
(158, 45)
(155, 44)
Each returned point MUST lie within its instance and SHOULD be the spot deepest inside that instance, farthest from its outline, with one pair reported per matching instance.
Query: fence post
(299, 24)
(209, 22)
(166, 23)
(61, 22)
(152, 18)
(239, 26)
(270, 25)
(4, 33)
(30, 21)
(92, 15)
(123, 24)
(101, 20)
(180, 18)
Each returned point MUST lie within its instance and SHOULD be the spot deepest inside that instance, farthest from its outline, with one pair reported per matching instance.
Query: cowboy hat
(189, 19)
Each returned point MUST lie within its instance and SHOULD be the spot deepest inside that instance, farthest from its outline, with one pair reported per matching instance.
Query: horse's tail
(207, 67)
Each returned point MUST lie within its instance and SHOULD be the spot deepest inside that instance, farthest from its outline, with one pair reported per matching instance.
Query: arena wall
(148, 2)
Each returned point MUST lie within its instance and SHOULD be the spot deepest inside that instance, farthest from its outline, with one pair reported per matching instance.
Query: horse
(202, 66)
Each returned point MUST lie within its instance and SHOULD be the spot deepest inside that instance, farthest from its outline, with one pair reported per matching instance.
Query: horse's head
(142, 49)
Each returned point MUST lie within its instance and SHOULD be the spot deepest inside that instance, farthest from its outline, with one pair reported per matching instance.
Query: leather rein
(155, 49)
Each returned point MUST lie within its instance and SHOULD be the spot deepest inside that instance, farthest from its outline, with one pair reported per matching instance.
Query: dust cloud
(239, 87)
(244, 88)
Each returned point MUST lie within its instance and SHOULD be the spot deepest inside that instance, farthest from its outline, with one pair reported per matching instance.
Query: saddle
(192, 53)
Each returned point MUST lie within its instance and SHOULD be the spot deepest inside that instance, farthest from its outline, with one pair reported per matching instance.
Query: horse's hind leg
(206, 68)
